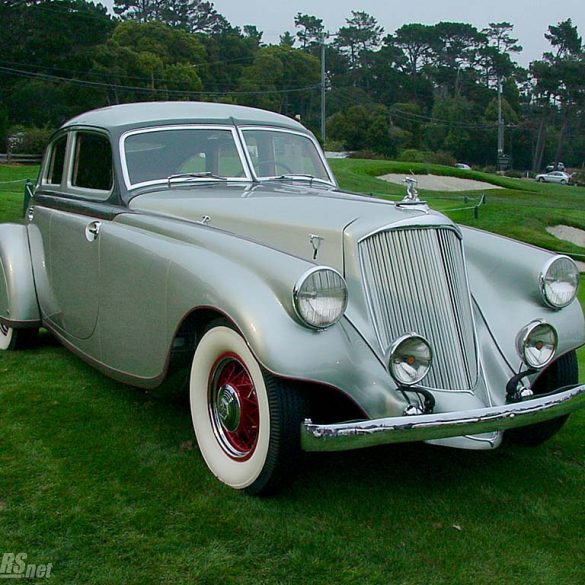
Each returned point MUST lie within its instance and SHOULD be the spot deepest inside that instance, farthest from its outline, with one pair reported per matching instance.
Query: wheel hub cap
(233, 407)
(228, 407)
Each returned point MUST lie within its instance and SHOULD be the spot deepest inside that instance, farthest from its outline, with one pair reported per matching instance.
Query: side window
(56, 164)
(92, 162)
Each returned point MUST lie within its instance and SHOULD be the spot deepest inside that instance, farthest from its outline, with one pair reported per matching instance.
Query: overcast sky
(529, 17)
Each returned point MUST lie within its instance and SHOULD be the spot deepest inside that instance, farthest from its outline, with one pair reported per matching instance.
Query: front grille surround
(415, 281)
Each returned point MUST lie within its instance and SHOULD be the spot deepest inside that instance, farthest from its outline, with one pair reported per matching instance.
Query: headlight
(409, 359)
(559, 282)
(320, 297)
(537, 344)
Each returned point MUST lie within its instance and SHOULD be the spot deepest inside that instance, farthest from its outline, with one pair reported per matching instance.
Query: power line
(106, 75)
(410, 116)
(88, 83)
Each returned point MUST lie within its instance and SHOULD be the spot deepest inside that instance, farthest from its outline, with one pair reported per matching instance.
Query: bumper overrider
(401, 429)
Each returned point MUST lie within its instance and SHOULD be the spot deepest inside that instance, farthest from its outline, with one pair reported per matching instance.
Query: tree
(140, 10)
(191, 15)
(252, 33)
(287, 40)
(282, 79)
(559, 75)
(362, 128)
(494, 56)
(168, 44)
(49, 43)
(565, 38)
(456, 50)
(310, 30)
(204, 18)
(361, 36)
(417, 42)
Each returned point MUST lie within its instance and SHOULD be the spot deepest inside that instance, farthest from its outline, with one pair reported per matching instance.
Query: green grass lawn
(106, 483)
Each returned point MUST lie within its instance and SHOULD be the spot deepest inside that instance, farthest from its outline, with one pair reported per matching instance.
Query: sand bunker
(437, 183)
(569, 234)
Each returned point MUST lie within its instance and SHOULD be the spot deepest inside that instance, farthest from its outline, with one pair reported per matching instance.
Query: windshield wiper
(302, 177)
(200, 175)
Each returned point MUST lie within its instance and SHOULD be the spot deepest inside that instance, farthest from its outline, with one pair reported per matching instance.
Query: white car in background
(554, 177)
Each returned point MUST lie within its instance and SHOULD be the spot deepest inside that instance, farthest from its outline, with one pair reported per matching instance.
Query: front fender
(504, 279)
(252, 285)
(18, 299)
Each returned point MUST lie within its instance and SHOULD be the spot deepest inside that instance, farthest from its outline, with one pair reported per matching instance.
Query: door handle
(92, 230)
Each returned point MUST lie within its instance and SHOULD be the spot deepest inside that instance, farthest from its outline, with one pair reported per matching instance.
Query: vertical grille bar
(416, 282)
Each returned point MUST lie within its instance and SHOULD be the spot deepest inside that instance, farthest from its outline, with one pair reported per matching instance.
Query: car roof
(137, 115)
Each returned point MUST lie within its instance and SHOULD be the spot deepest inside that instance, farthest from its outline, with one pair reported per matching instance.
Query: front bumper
(401, 429)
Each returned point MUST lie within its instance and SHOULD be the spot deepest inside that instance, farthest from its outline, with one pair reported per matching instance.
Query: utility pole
(323, 113)
(500, 126)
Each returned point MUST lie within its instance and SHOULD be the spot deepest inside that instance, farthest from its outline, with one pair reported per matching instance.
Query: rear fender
(18, 300)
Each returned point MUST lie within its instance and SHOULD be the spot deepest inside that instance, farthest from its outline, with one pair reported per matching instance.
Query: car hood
(292, 217)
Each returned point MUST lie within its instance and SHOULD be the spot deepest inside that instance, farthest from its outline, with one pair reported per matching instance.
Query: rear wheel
(14, 339)
(247, 422)
(562, 372)
(563, 182)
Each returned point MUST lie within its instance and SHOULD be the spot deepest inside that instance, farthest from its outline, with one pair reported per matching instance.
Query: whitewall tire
(246, 421)
(6, 337)
(14, 339)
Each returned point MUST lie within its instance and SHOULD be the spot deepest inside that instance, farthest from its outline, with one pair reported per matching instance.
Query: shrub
(367, 154)
(334, 145)
(442, 158)
(578, 177)
(514, 174)
(425, 156)
(29, 140)
(413, 155)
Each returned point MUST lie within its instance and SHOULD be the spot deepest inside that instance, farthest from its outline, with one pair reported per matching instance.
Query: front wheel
(562, 372)
(540, 180)
(14, 339)
(247, 422)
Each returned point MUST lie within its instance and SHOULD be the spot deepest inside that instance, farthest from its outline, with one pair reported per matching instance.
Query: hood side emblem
(205, 219)
(316, 243)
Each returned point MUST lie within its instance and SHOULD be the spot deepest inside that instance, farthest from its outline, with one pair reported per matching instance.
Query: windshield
(156, 155)
(274, 153)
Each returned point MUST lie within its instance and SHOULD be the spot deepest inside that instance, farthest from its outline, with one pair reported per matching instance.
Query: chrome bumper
(401, 429)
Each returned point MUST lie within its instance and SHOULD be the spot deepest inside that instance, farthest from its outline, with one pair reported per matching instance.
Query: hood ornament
(411, 197)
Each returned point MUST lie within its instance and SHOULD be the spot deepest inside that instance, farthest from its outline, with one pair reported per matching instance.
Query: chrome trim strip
(401, 429)
(426, 222)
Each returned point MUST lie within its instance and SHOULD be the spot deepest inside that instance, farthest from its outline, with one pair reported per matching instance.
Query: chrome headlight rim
(523, 338)
(392, 351)
(297, 288)
(542, 282)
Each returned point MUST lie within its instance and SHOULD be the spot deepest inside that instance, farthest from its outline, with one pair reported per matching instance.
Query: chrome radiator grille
(415, 282)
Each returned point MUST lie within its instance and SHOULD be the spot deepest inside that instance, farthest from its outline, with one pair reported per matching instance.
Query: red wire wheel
(233, 407)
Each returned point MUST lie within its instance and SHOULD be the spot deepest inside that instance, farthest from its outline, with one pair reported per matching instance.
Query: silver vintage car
(210, 244)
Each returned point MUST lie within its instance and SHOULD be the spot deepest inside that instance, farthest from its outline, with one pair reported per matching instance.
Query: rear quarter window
(56, 162)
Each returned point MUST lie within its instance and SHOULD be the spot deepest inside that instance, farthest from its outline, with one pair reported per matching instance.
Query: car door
(65, 221)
